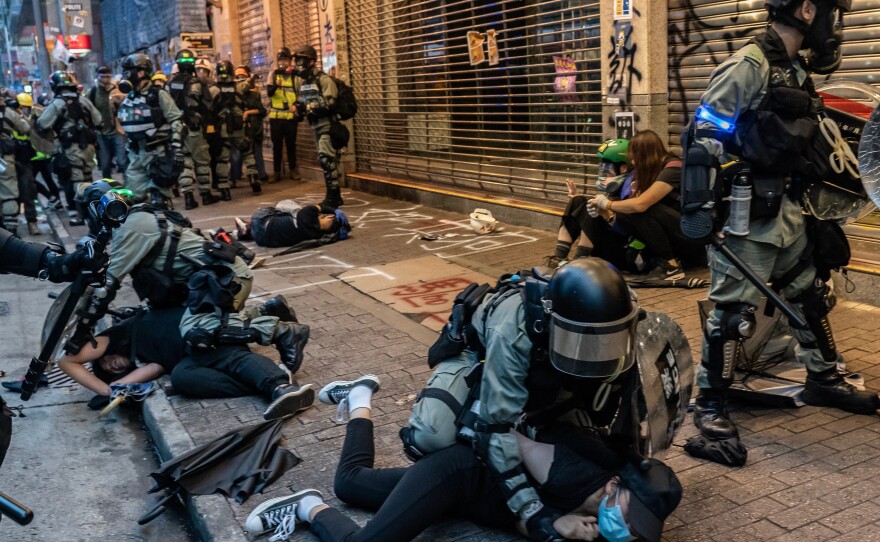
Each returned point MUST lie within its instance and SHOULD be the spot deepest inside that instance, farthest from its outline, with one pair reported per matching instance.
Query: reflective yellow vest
(283, 98)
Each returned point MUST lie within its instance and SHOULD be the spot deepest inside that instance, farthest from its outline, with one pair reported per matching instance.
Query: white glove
(601, 201)
(592, 210)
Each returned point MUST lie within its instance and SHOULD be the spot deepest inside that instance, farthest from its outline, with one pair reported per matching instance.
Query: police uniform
(152, 122)
(228, 110)
(136, 237)
(27, 187)
(12, 122)
(74, 119)
(317, 94)
(243, 138)
(193, 99)
(282, 126)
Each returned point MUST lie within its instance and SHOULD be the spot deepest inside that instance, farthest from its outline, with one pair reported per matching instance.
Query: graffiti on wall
(622, 70)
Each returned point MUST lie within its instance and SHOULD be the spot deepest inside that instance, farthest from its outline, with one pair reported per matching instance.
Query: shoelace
(285, 528)
(276, 517)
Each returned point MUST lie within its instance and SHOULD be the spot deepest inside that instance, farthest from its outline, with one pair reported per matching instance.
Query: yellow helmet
(25, 100)
(158, 76)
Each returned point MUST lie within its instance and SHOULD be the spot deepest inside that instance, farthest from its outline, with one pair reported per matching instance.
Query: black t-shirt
(273, 228)
(156, 337)
(671, 175)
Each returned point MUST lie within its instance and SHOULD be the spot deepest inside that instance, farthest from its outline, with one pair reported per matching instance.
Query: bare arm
(73, 366)
(147, 373)
(643, 201)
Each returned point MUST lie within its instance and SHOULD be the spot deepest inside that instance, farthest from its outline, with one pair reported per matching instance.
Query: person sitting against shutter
(152, 338)
(646, 208)
(618, 503)
(289, 223)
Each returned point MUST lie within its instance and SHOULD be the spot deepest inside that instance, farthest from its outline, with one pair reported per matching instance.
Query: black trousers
(658, 228)
(283, 131)
(448, 483)
(228, 371)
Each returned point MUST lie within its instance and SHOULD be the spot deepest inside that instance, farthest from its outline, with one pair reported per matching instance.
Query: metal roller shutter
(253, 32)
(426, 114)
(299, 26)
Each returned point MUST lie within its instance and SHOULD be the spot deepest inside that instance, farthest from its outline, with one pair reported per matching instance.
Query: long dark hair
(648, 154)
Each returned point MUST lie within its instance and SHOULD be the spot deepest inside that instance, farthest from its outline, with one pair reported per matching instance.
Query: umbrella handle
(157, 509)
(113, 404)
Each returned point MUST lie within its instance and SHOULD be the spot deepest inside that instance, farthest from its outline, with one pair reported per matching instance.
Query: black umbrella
(238, 464)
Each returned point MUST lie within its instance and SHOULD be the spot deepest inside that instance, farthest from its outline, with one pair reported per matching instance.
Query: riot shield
(869, 156)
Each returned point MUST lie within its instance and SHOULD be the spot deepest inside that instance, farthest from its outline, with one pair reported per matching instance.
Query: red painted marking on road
(431, 293)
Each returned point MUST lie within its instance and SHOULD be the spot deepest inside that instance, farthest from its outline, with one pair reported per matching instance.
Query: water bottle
(740, 202)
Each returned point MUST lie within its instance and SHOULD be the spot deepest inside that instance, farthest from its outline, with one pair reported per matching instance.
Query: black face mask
(824, 39)
(302, 66)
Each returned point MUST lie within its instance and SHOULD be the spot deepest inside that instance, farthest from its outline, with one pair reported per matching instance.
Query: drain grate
(4, 308)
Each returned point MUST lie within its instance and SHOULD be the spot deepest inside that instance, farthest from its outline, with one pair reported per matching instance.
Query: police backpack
(346, 106)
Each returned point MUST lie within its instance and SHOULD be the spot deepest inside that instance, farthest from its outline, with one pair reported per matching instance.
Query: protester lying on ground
(289, 223)
(644, 207)
(153, 338)
(588, 500)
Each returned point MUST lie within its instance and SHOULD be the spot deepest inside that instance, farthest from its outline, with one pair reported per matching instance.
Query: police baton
(114, 212)
(721, 246)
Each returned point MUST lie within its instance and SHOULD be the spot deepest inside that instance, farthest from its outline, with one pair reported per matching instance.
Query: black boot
(208, 197)
(189, 201)
(225, 195)
(290, 339)
(333, 198)
(278, 307)
(829, 388)
(255, 184)
(288, 399)
(710, 415)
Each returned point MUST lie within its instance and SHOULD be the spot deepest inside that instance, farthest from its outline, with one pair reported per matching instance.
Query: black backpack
(346, 104)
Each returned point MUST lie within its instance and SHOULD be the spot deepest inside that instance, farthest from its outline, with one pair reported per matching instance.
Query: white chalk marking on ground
(301, 286)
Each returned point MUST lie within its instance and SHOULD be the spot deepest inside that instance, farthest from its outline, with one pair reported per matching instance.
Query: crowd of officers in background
(199, 128)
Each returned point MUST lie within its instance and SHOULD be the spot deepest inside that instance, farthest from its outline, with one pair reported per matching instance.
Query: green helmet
(614, 150)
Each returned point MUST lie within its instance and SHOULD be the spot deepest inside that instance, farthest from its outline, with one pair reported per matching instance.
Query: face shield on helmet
(592, 319)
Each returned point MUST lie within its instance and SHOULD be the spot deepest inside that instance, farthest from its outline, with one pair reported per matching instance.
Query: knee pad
(327, 162)
(736, 324)
(726, 452)
(816, 302)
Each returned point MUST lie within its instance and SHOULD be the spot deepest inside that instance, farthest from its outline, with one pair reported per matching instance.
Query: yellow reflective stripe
(280, 115)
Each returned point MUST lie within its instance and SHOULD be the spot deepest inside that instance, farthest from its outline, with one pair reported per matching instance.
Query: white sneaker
(278, 514)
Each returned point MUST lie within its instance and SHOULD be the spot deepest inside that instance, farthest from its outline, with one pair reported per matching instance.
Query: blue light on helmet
(706, 114)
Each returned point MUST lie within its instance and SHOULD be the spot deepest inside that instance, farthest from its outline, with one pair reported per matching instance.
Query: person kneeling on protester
(152, 338)
(289, 223)
(619, 500)
(644, 207)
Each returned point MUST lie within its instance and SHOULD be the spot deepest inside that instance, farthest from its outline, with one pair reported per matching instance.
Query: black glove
(81, 336)
(540, 525)
(65, 267)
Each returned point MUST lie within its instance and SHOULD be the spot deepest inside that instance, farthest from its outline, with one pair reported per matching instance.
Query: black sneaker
(279, 514)
(288, 400)
(334, 392)
(664, 271)
(278, 307)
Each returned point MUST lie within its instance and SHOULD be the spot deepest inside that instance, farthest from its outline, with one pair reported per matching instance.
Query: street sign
(198, 41)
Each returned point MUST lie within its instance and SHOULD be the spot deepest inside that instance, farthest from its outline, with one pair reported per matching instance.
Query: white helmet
(202, 62)
(482, 221)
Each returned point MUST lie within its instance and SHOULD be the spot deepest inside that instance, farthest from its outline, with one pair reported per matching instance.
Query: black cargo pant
(228, 371)
(283, 133)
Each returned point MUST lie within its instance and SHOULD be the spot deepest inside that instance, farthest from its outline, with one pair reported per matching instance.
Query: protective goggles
(593, 350)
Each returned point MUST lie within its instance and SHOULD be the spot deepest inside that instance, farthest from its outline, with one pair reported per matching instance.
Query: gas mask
(824, 39)
(302, 66)
(242, 86)
(131, 80)
(283, 65)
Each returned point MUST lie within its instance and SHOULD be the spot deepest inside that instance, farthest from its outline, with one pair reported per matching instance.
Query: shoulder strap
(441, 395)
(160, 244)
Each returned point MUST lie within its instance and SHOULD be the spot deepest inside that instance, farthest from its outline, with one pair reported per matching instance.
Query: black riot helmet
(186, 61)
(592, 318)
(91, 193)
(132, 65)
(304, 59)
(284, 54)
(225, 71)
(62, 80)
(823, 37)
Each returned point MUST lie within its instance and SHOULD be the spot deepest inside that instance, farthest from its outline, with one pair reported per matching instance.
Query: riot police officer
(155, 131)
(252, 118)
(43, 261)
(27, 187)
(193, 99)
(228, 115)
(162, 252)
(316, 96)
(282, 126)
(74, 119)
(761, 107)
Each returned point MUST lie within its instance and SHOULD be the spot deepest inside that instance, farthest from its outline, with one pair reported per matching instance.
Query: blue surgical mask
(612, 525)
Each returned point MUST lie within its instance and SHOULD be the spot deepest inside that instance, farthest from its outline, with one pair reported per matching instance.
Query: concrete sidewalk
(372, 302)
